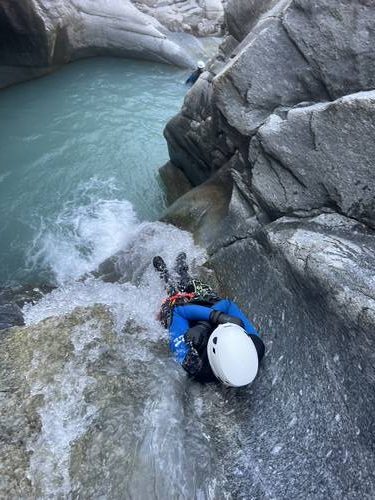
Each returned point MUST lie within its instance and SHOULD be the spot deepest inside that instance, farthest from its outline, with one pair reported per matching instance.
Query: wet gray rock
(10, 315)
(337, 40)
(198, 17)
(175, 182)
(241, 16)
(334, 257)
(92, 407)
(23, 294)
(13, 299)
(217, 212)
(38, 37)
(202, 209)
(315, 156)
(308, 285)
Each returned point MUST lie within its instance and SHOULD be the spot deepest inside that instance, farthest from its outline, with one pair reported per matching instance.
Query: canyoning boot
(159, 264)
(181, 264)
(161, 267)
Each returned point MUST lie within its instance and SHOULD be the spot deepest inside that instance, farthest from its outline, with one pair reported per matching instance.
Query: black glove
(219, 318)
(192, 362)
(197, 336)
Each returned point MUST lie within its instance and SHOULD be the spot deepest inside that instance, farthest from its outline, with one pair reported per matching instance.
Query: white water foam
(92, 226)
(65, 415)
(140, 295)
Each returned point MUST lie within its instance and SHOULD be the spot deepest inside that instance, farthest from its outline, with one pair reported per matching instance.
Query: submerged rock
(10, 315)
(13, 299)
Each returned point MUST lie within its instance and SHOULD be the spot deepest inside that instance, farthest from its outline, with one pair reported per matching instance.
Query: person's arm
(179, 327)
(185, 342)
(192, 312)
(231, 309)
(225, 310)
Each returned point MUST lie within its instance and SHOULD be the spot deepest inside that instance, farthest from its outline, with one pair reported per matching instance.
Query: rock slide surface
(277, 139)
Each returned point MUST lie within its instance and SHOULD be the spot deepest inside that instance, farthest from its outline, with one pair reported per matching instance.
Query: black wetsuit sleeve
(197, 336)
(193, 77)
(219, 318)
(259, 345)
(196, 361)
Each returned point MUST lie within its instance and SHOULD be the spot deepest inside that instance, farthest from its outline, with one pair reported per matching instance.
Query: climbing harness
(199, 292)
(179, 298)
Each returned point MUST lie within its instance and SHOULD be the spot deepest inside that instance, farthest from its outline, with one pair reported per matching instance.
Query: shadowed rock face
(38, 35)
(290, 109)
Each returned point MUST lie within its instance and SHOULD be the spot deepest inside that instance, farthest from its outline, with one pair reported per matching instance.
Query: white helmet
(232, 355)
(201, 65)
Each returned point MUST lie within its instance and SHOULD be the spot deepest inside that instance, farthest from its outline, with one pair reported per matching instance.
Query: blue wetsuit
(184, 317)
(194, 77)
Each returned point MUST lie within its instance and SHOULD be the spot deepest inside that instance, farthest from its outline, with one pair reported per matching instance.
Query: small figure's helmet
(201, 65)
(232, 355)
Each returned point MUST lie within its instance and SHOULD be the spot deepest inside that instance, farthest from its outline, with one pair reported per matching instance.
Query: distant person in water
(196, 73)
(209, 336)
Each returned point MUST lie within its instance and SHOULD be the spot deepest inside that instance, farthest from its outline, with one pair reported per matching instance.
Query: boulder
(315, 156)
(337, 40)
(175, 182)
(333, 257)
(241, 16)
(202, 210)
(199, 141)
(244, 90)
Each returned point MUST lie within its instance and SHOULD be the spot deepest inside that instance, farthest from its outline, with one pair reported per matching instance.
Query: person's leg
(161, 267)
(182, 269)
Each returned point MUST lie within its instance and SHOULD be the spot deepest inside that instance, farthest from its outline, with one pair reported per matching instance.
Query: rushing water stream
(115, 415)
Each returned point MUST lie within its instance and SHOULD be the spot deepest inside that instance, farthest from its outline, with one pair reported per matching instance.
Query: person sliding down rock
(196, 73)
(210, 336)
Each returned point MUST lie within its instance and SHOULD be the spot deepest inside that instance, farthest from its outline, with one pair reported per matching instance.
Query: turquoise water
(79, 153)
